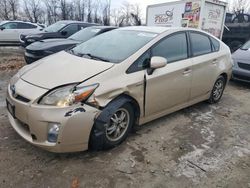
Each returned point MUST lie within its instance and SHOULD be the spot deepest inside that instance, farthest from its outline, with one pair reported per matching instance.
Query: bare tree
(4, 9)
(80, 9)
(106, 13)
(239, 5)
(89, 14)
(126, 10)
(13, 8)
(71, 11)
(97, 11)
(127, 14)
(136, 14)
(97, 7)
(52, 10)
(117, 17)
(64, 9)
(33, 10)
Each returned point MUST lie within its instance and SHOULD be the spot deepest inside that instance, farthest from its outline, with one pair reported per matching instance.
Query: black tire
(217, 90)
(109, 143)
(106, 141)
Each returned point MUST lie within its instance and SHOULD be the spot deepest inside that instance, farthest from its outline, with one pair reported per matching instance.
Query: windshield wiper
(90, 56)
(71, 51)
(244, 49)
(87, 55)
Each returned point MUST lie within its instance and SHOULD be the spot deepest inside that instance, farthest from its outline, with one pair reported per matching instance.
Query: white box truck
(207, 15)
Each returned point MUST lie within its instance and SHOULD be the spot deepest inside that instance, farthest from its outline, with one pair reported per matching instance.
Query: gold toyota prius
(92, 95)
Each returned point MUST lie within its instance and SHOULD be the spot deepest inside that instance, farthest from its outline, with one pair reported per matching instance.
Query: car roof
(73, 21)
(153, 29)
(159, 30)
(17, 21)
(104, 27)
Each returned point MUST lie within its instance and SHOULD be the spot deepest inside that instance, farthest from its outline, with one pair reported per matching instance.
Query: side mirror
(2, 28)
(156, 62)
(64, 33)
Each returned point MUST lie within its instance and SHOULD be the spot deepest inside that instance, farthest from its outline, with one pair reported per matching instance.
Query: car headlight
(48, 52)
(68, 95)
(31, 40)
(233, 62)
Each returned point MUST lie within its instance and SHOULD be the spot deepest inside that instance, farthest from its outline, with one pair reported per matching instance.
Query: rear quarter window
(26, 26)
(215, 44)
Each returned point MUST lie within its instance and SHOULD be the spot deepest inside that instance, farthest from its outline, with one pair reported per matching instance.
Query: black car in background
(46, 47)
(60, 29)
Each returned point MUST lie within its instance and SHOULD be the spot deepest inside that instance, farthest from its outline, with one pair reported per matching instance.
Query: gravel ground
(200, 146)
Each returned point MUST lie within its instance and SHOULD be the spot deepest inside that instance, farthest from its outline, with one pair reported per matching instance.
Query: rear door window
(173, 48)
(25, 26)
(200, 44)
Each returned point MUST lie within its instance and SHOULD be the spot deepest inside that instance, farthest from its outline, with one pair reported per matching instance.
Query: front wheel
(119, 126)
(218, 90)
(116, 130)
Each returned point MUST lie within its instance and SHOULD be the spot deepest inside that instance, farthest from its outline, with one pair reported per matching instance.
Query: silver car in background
(241, 59)
(11, 30)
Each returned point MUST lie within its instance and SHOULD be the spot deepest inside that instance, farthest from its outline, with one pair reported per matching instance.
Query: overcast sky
(143, 4)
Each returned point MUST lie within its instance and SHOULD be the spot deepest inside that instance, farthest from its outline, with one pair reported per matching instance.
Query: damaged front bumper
(32, 122)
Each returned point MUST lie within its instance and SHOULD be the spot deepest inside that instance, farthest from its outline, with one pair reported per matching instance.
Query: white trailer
(207, 15)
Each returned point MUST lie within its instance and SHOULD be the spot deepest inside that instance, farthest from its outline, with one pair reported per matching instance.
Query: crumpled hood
(50, 43)
(242, 55)
(62, 68)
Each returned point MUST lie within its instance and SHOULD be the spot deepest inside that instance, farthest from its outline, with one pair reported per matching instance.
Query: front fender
(98, 131)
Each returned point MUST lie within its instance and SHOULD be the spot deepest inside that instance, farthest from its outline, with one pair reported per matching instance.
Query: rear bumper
(32, 121)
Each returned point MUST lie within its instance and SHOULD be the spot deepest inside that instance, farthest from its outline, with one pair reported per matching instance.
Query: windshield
(246, 46)
(55, 27)
(85, 34)
(114, 46)
(3, 22)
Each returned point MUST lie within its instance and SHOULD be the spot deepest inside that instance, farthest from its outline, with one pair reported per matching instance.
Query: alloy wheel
(118, 125)
(218, 89)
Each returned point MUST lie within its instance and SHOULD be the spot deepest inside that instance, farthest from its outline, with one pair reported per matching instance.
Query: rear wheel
(218, 90)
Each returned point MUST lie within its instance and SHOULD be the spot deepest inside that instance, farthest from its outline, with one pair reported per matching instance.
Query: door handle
(215, 61)
(187, 71)
(139, 84)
